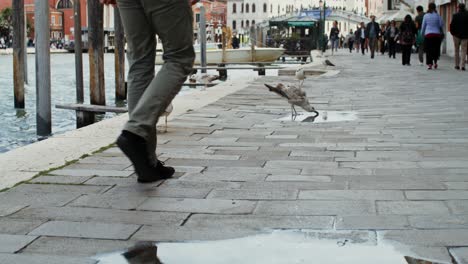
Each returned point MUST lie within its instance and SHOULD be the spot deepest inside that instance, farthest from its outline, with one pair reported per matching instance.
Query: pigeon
(328, 63)
(295, 96)
(300, 75)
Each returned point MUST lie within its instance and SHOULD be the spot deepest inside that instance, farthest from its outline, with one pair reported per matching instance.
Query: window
(64, 4)
(265, 8)
(253, 8)
(246, 8)
(197, 17)
(253, 22)
(53, 20)
(60, 21)
(242, 23)
(271, 8)
(278, 9)
(247, 24)
(234, 8)
(233, 24)
(242, 8)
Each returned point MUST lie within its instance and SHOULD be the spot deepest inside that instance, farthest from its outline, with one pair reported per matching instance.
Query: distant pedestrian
(372, 32)
(362, 37)
(382, 39)
(432, 29)
(149, 94)
(420, 38)
(235, 42)
(391, 34)
(334, 36)
(357, 37)
(350, 40)
(459, 30)
(407, 39)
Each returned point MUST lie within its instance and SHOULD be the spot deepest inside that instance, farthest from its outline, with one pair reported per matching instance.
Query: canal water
(18, 127)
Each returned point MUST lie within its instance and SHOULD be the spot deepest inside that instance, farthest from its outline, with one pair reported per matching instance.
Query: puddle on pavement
(285, 247)
(324, 117)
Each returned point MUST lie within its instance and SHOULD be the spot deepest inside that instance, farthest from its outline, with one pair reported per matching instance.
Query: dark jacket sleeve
(454, 25)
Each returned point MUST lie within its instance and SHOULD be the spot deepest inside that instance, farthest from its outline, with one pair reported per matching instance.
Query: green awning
(301, 23)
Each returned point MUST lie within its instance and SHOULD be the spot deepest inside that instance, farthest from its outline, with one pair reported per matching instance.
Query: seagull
(205, 78)
(300, 76)
(328, 63)
(166, 113)
(295, 96)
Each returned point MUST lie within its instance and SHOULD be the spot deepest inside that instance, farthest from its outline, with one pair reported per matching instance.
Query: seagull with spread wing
(295, 96)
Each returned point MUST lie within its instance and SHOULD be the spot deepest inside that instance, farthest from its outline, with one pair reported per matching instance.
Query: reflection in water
(20, 113)
(285, 247)
(324, 117)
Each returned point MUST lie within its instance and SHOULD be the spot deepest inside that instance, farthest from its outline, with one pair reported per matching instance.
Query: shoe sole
(124, 145)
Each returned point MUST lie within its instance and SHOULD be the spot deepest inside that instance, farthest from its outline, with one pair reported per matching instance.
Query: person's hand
(109, 2)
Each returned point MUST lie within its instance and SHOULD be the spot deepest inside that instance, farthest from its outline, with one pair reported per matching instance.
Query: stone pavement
(399, 173)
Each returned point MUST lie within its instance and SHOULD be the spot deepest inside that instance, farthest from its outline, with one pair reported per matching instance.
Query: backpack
(407, 36)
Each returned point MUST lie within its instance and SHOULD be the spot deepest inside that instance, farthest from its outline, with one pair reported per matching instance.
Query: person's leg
(172, 21)
(363, 42)
(464, 48)
(408, 54)
(141, 54)
(421, 53)
(403, 55)
(429, 51)
(457, 43)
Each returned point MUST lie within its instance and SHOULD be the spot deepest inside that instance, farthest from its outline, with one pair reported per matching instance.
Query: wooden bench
(85, 113)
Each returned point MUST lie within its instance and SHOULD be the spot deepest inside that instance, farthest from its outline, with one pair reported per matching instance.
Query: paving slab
(14, 243)
(315, 208)
(102, 215)
(182, 233)
(460, 254)
(412, 208)
(40, 259)
(18, 226)
(75, 247)
(86, 230)
(254, 194)
(114, 201)
(351, 195)
(259, 222)
(373, 222)
(431, 238)
(216, 206)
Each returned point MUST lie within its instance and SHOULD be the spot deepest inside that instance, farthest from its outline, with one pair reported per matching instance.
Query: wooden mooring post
(83, 118)
(96, 52)
(19, 52)
(119, 52)
(202, 38)
(25, 42)
(43, 99)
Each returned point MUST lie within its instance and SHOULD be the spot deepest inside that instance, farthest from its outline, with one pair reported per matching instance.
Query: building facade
(61, 17)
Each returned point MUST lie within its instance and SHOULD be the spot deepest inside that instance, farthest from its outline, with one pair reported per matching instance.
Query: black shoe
(457, 67)
(463, 69)
(135, 148)
(164, 172)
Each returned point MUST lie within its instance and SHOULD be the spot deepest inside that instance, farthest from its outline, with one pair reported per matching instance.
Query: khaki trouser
(460, 43)
(150, 94)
